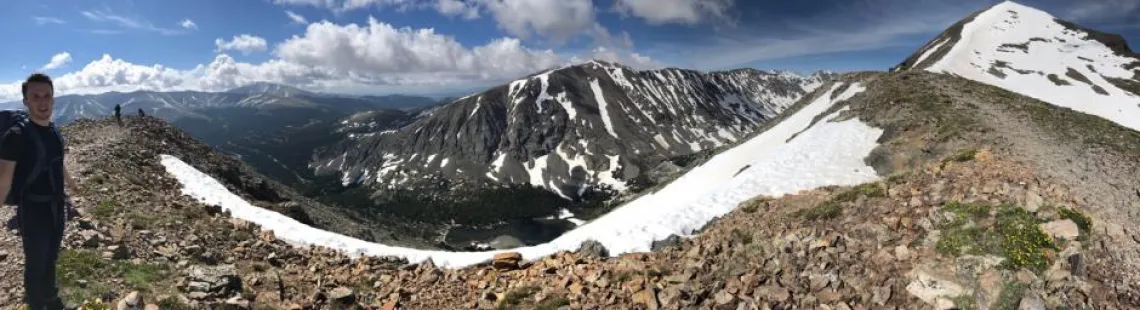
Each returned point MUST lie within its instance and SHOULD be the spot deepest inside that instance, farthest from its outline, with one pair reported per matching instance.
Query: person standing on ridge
(118, 115)
(32, 176)
(141, 113)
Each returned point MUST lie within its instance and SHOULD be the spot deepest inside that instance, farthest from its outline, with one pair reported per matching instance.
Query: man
(118, 115)
(39, 197)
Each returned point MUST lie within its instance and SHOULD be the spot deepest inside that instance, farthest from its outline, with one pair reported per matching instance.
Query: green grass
(824, 211)
(105, 209)
(1010, 232)
(516, 296)
(172, 303)
(833, 208)
(1084, 223)
(553, 303)
(866, 189)
(75, 266)
(962, 156)
(1010, 296)
(897, 178)
(740, 235)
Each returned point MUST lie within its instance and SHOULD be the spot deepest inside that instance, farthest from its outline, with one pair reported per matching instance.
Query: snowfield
(827, 153)
(1010, 37)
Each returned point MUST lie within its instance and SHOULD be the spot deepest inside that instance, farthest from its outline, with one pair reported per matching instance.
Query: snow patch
(597, 89)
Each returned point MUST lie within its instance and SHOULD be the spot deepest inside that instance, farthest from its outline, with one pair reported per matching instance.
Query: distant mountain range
(273, 127)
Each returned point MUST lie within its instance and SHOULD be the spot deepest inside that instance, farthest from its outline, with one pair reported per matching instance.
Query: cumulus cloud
(353, 58)
(380, 51)
(57, 61)
(297, 18)
(244, 43)
(469, 10)
(188, 24)
(674, 11)
(625, 57)
(555, 19)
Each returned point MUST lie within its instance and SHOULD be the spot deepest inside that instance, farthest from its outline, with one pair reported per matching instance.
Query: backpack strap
(38, 167)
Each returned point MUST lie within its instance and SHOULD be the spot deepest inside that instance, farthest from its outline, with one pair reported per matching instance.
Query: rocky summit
(986, 196)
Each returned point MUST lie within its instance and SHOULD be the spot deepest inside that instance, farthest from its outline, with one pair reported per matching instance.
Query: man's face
(39, 100)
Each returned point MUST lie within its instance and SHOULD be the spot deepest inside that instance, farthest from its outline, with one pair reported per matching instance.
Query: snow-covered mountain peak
(269, 88)
(1031, 52)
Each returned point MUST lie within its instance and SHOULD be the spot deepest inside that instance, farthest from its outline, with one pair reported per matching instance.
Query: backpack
(9, 119)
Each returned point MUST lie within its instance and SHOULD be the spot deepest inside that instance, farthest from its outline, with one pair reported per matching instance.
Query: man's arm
(72, 187)
(10, 151)
(7, 169)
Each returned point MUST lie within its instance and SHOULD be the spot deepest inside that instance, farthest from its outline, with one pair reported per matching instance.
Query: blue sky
(435, 46)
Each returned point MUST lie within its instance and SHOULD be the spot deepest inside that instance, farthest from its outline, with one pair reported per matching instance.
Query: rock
(881, 294)
(238, 302)
(151, 307)
(724, 298)
(934, 291)
(902, 253)
(593, 249)
(506, 261)
(1031, 302)
(771, 292)
(90, 238)
(213, 281)
(668, 242)
(119, 252)
(646, 297)
(3, 255)
(1065, 229)
(990, 284)
(1076, 265)
(130, 302)
(505, 242)
(1033, 201)
(341, 293)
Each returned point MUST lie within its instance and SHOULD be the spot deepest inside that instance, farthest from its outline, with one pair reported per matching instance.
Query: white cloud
(244, 43)
(350, 58)
(133, 23)
(57, 61)
(188, 24)
(467, 9)
(43, 20)
(674, 11)
(378, 51)
(555, 19)
(624, 57)
(297, 18)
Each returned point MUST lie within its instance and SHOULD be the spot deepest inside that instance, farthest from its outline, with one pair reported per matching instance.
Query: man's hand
(72, 186)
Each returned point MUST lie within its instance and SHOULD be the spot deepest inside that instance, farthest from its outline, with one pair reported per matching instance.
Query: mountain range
(994, 168)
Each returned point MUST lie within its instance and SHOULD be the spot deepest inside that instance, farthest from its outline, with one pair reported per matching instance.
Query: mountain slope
(568, 130)
(1030, 52)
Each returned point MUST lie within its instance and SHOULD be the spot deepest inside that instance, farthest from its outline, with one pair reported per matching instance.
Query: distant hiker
(32, 176)
(141, 113)
(117, 114)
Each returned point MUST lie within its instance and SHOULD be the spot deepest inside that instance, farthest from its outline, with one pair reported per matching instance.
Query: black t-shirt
(18, 147)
